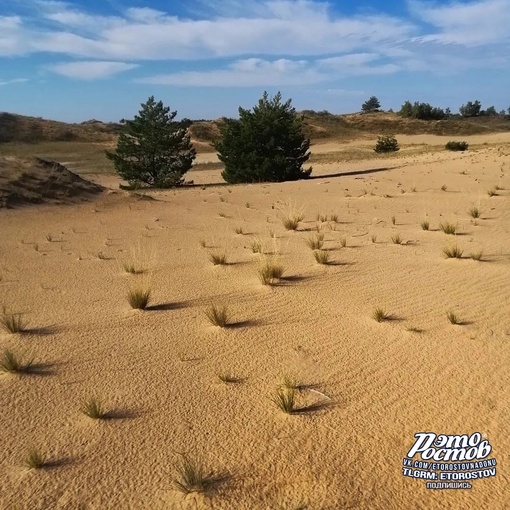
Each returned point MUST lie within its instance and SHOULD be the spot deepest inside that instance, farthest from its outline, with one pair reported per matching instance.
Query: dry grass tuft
(192, 477)
(11, 363)
(475, 212)
(448, 228)
(218, 259)
(35, 459)
(380, 315)
(396, 239)
(315, 242)
(425, 225)
(93, 408)
(218, 315)
(285, 400)
(478, 255)
(321, 256)
(13, 323)
(139, 297)
(452, 252)
(452, 318)
(271, 272)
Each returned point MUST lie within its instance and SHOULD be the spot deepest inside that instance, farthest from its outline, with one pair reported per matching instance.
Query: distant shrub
(456, 146)
(386, 143)
(423, 111)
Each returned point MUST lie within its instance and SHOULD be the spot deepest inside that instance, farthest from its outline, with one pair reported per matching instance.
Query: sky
(77, 60)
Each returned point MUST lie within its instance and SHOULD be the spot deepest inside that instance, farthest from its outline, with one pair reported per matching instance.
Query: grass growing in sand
(475, 212)
(93, 408)
(448, 228)
(192, 477)
(257, 246)
(292, 222)
(396, 239)
(285, 400)
(380, 315)
(228, 378)
(425, 225)
(271, 272)
(452, 252)
(35, 459)
(139, 297)
(13, 323)
(315, 242)
(477, 255)
(218, 259)
(218, 315)
(452, 318)
(321, 256)
(11, 363)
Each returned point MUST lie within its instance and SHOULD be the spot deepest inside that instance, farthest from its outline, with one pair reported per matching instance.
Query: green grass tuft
(285, 400)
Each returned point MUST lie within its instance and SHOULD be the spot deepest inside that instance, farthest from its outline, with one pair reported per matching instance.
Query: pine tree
(153, 149)
(371, 105)
(266, 143)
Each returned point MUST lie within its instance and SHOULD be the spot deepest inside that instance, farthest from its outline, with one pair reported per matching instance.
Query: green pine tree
(266, 143)
(153, 149)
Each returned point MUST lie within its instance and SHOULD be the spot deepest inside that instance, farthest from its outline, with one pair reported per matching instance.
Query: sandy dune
(157, 370)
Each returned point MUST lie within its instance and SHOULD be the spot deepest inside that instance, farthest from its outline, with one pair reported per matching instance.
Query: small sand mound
(36, 181)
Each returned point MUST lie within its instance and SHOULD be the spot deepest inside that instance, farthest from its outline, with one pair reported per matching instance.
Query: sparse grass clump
(35, 459)
(374, 238)
(396, 239)
(139, 297)
(11, 363)
(315, 242)
(491, 192)
(13, 323)
(477, 255)
(475, 212)
(285, 400)
(218, 315)
(192, 477)
(452, 252)
(343, 242)
(393, 220)
(380, 315)
(334, 218)
(256, 246)
(271, 273)
(290, 383)
(228, 378)
(448, 228)
(93, 408)
(425, 225)
(218, 259)
(321, 256)
(239, 230)
(452, 318)
(292, 221)
(444, 187)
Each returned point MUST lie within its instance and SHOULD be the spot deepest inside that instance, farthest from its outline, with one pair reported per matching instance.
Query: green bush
(386, 143)
(266, 144)
(153, 149)
(456, 146)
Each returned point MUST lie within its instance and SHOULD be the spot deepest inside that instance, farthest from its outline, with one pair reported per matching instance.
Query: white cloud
(469, 24)
(90, 70)
(264, 73)
(13, 81)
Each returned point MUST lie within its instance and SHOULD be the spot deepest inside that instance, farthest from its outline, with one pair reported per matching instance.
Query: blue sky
(81, 59)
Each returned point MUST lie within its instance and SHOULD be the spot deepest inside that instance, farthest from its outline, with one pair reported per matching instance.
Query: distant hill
(319, 126)
(19, 128)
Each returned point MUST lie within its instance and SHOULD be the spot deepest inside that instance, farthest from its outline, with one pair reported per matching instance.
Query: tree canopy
(266, 143)
(153, 149)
